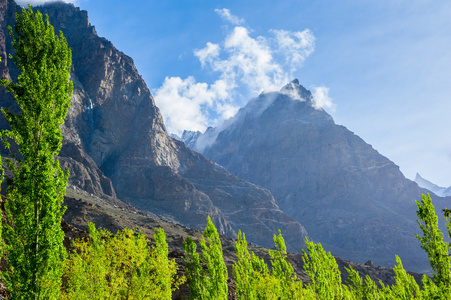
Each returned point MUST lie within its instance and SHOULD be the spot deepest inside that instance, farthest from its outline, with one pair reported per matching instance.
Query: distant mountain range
(438, 190)
(349, 197)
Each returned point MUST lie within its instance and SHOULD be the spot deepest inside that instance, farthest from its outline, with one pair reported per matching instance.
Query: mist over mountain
(352, 199)
(115, 142)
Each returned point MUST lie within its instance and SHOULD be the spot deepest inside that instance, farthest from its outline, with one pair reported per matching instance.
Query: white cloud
(207, 54)
(186, 104)
(39, 2)
(250, 62)
(294, 46)
(226, 15)
(245, 66)
(321, 98)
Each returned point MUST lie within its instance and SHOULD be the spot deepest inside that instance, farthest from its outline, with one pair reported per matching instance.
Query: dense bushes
(120, 267)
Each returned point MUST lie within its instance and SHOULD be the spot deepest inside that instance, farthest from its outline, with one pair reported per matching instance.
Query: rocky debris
(369, 263)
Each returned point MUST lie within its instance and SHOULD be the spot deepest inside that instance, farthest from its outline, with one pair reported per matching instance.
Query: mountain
(116, 145)
(438, 190)
(352, 199)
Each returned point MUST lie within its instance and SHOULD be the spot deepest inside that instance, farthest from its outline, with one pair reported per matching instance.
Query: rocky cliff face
(350, 198)
(115, 143)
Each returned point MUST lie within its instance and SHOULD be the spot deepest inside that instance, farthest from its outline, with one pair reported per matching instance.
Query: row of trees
(124, 266)
(207, 276)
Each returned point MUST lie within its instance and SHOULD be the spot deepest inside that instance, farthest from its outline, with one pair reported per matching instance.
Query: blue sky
(382, 68)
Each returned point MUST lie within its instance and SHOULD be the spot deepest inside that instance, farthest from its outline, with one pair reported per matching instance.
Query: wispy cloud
(321, 98)
(226, 15)
(294, 46)
(245, 66)
(247, 60)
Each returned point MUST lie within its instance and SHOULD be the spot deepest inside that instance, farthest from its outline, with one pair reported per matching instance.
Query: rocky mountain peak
(67, 15)
(296, 91)
(292, 104)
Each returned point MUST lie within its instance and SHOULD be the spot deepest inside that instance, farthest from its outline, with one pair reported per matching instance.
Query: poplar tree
(209, 282)
(31, 231)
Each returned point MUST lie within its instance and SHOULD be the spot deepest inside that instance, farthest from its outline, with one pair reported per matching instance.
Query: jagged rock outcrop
(349, 197)
(115, 131)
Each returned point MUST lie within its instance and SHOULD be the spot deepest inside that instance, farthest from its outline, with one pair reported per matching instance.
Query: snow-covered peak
(438, 190)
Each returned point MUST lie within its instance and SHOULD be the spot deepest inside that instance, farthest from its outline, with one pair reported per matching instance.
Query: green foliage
(322, 269)
(195, 274)
(253, 279)
(243, 270)
(120, 267)
(432, 291)
(432, 242)
(33, 238)
(209, 283)
(406, 286)
(281, 269)
(361, 290)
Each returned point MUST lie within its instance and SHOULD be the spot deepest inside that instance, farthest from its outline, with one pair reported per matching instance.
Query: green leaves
(322, 269)
(253, 279)
(120, 267)
(31, 231)
(432, 241)
(209, 282)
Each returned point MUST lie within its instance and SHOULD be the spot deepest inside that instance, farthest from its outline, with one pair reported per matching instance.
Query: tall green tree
(432, 242)
(243, 270)
(211, 282)
(281, 268)
(32, 234)
(322, 269)
(437, 250)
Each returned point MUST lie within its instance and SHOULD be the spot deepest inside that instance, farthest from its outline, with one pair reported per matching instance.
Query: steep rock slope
(115, 131)
(350, 198)
(85, 173)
